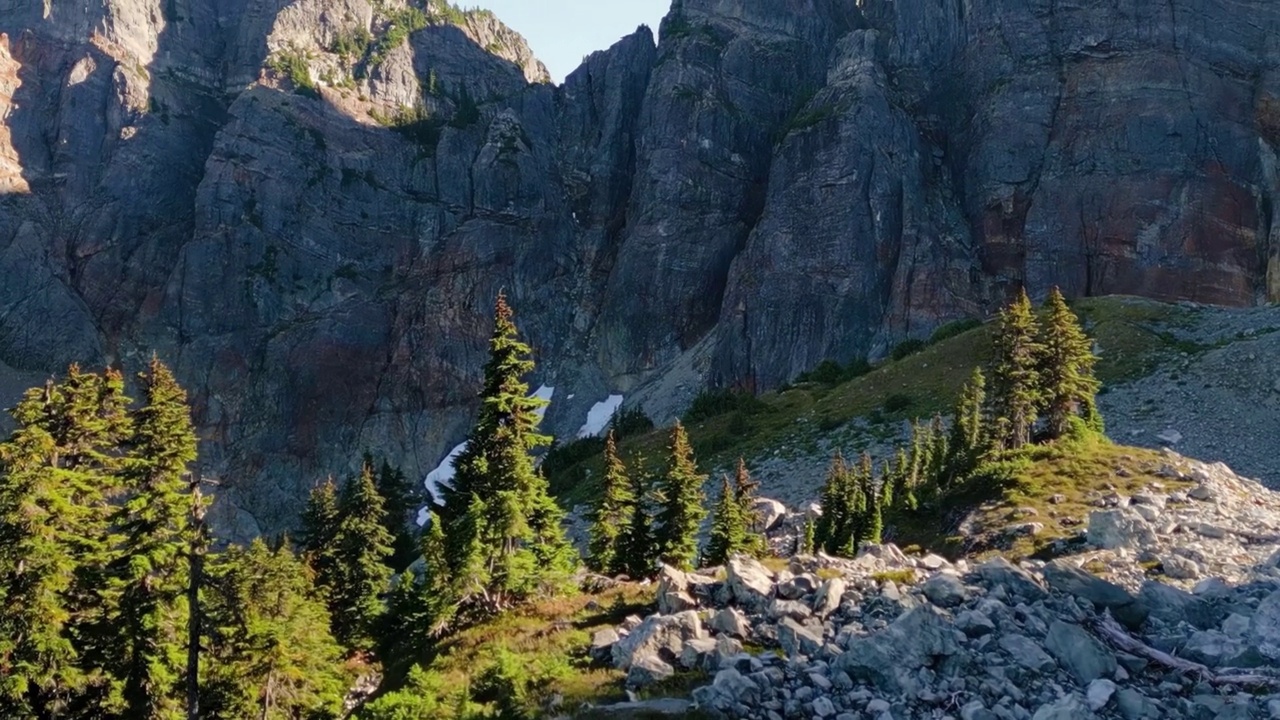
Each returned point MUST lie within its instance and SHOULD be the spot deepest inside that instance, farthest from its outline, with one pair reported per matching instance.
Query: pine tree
(361, 547)
(728, 527)
(837, 528)
(149, 574)
(808, 538)
(744, 489)
(904, 496)
(683, 503)
(57, 472)
(939, 454)
(269, 652)
(1015, 380)
(403, 499)
(638, 551)
(1066, 366)
(610, 516)
(888, 481)
(319, 530)
(518, 541)
(968, 429)
(420, 606)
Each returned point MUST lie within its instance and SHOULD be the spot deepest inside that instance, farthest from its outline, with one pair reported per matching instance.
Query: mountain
(307, 206)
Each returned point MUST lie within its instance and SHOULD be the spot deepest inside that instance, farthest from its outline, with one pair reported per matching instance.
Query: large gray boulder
(1104, 595)
(750, 583)
(662, 636)
(1079, 652)
(1000, 573)
(797, 639)
(1119, 528)
(889, 659)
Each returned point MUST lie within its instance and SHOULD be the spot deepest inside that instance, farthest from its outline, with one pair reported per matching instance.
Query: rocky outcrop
(308, 205)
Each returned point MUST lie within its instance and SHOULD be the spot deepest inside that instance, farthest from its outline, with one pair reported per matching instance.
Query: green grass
(1132, 334)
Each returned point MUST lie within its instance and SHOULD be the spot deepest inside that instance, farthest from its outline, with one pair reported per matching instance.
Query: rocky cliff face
(308, 205)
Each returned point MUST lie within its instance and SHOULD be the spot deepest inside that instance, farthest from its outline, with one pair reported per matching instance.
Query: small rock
(945, 590)
(1169, 436)
(648, 670)
(1180, 568)
(1202, 492)
(1099, 693)
(1079, 652)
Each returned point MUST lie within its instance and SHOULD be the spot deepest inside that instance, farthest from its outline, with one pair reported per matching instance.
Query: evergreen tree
(1066, 366)
(149, 574)
(420, 606)
(728, 527)
(57, 471)
(808, 538)
(638, 550)
(610, 516)
(361, 547)
(939, 454)
(888, 481)
(319, 530)
(904, 496)
(837, 528)
(403, 500)
(518, 541)
(968, 429)
(269, 652)
(744, 489)
(875, 517)
(1015, 379)
(683, 503)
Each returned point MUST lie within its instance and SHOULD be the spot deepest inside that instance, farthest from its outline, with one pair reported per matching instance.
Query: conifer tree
(875, 516)
(837, 528)
(968, 429)
(319, 530)
(517, 539)
(728, 527)
(402, 499)
(361, 547)
(683, 504)
(1015, 379)
(420, 606)
(808, 538)
(888, 481)
(149, 574)
(57, 471)
(744, 488)
(270, 655)
(904, 496)
(610, 516)
(939, 453)
(638, 551)
(1066, 366)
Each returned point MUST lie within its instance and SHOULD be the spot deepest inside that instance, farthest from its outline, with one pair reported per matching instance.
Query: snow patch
(599, 415)
(545, 393)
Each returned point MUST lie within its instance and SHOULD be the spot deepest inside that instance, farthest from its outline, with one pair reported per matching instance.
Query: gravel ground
(1222, 404)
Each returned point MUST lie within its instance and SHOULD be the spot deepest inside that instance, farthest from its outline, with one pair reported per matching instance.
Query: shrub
(954, 328)
(907, 348)
(351, 45)
(714, 403)
(897, 402)
(626, 423)
(292, 64)
(400, 25)
(830, 372)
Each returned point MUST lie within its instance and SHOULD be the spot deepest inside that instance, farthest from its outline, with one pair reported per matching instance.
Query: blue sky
(562, 32)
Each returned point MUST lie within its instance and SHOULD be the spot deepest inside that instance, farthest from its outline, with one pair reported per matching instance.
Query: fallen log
(1110, 631)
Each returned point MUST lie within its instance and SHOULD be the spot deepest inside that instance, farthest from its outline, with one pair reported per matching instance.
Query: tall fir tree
(904, 496)
(1015, 378)
(57, 473)
(518, 540)
(149, 573)
(838, 526)
(403, 499)
(638, 550)
(420, 606)
(269, 652)
(968, 428)
(728, 527)
(608, 520)
(744, 489)
(361, 547)
(319, 530)
(683, 503)
(1066, 367)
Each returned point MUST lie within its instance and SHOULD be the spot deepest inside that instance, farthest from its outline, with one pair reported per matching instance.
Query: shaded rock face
(774, 185)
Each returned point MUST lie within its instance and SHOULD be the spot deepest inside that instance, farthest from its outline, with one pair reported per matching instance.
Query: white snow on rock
(545, 393)
(598, 416)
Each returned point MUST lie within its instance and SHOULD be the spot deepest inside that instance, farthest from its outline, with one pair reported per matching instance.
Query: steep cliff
(308, 205)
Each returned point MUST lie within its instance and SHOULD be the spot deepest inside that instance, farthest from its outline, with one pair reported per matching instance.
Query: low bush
(906, 349)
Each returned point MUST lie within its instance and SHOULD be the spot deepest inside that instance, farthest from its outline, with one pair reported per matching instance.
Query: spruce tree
(728, 527)
(361, 547)
(149, 574)
(1066, 366)
(904, 496)
(838, 526)
(683, 504)
(968, 429)
(319, 530)
(875, 515)
(518, 540)
(403, 500)
(57, 471)
(1015, 379)
(638, 551)
(808, 538)
(269, 652)
(610, 516)
(744, 489)
(419, 609)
